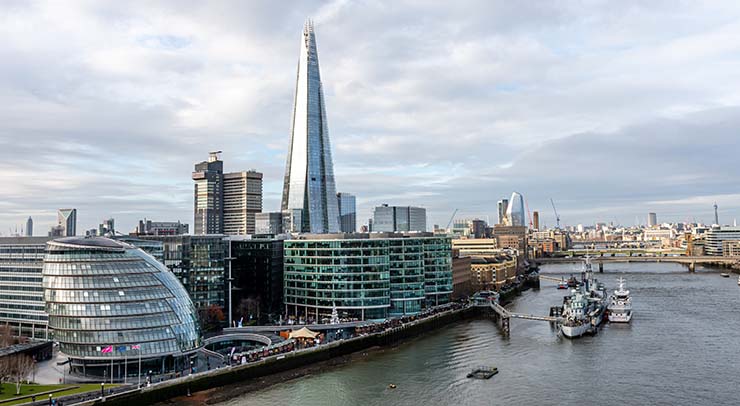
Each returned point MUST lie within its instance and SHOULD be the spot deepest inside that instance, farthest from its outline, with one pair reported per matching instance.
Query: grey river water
(682, 348)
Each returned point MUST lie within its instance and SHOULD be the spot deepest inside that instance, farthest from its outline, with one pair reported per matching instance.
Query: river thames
(682, 348)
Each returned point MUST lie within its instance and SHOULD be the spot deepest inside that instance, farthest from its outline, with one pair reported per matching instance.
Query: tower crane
(557, 216)
(449, 223)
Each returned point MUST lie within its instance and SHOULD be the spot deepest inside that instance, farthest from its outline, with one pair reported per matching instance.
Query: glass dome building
(110, 303)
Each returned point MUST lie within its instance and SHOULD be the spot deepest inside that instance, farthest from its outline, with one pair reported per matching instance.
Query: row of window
(113, 337)
(114, 323)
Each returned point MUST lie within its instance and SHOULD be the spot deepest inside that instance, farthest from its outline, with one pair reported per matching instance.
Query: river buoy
(392, 386)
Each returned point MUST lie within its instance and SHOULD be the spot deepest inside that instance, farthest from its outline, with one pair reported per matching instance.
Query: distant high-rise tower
(716, 216)
(242, 199)
(107, 227)
(29, 227)
(309, 172)
(208, 201)
(399, 218)
(515, 211)
(347, 212)
(652, 219)
(536, 220)
(67, 218)
(503, 204)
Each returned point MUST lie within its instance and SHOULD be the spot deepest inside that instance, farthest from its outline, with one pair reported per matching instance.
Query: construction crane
(449, 223)
(557, 216)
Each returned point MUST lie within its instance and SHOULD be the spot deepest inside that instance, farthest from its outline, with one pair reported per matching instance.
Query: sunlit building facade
(309, 172)
(366, 276)
(515, 211)
(109, 301)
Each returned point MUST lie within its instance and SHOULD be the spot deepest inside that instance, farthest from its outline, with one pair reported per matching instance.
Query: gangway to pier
(505, 315)
(551, 278)
(551, 319)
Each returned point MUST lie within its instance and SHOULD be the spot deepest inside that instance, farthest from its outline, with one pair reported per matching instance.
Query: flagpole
(139, 383)
(111, 368)
(125, 366)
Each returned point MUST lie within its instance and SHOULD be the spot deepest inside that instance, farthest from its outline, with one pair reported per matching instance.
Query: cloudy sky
(613, 109)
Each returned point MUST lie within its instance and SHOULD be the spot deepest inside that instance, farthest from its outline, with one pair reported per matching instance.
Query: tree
(16, 368)
(212, 317)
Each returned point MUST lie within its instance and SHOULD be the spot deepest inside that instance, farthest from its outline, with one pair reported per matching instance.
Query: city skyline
(156, 89)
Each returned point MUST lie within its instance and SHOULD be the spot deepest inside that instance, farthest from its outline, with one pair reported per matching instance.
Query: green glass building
(365, 276)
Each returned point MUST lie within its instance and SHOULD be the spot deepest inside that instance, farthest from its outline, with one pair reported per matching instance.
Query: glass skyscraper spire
(309, 192)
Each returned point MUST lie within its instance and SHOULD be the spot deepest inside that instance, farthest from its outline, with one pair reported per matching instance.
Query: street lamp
(102, 390)
(50, 395)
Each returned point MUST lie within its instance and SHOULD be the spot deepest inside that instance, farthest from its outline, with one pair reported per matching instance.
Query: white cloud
(108, 105)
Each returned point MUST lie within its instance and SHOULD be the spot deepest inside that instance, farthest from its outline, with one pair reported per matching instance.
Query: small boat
(483, 373)
(392, 386)
(738, 280)
(724, 275)
(563, 284)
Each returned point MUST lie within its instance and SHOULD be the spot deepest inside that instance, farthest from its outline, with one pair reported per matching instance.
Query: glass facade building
(309, 172)
(21, 292)
(366, 276)
(515, 211)
(347, 212)
(104, 298)
(198, 262)
(257, 270)
(399, 219)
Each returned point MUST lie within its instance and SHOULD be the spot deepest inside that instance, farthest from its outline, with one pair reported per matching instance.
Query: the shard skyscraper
(309, 192)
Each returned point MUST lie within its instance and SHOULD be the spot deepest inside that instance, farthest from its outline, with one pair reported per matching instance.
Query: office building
(476, 246)
(515, 211)
(199, 263)
(652, 219)
(67, 218)
(366, 276)
(462, 286)
(21, 291)
(257, 270)
(107, 228)
(104, 297)
(242, 198)
(399, 219)
(309, 172)
(492, 272)
(268, 223)
(513, 237)
(716, 236)
(731, 249)
(225, 203)
(29, 227)
(57, 231)
(208, 195)
(149, 227)
(536, 220)
(347, 212)
(502, 206)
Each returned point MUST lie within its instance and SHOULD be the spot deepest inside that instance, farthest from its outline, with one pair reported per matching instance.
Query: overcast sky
(613, 109)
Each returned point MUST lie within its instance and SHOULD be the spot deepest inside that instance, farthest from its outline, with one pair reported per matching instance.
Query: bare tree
(20, 365)
(6, 337)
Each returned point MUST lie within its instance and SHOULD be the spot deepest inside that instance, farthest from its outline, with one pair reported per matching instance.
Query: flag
(107, 349)
(121, 348)
(136, 347)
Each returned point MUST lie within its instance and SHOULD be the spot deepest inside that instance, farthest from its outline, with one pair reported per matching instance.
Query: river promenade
(382, 334)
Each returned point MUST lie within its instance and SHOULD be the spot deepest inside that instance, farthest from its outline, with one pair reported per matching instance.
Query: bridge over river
(598, 257)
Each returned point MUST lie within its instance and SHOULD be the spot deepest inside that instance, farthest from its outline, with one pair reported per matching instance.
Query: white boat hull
(574, 331)
(620, 317)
